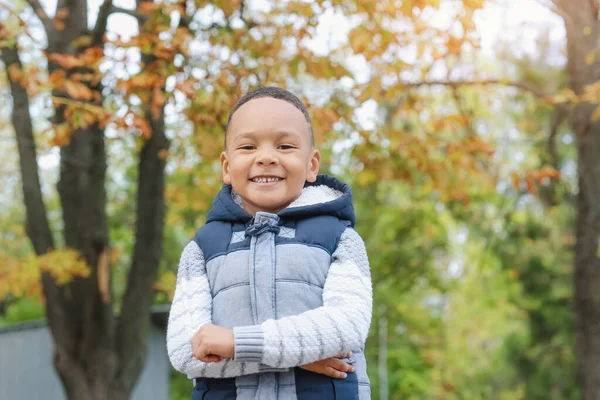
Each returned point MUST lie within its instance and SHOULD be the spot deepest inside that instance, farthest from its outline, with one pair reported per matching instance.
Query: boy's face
(269, 154)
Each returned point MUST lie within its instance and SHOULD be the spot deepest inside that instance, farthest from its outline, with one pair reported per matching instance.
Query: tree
(583, 31)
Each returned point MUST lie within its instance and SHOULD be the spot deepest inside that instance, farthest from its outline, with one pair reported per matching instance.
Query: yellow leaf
(420, 49)
(359, 39)
(15, 72)
(516, 181)
(82, 41)
(301, 8)
(595, 115)
(473, 4)
(590, 57)
(227, 8)
(407, 8)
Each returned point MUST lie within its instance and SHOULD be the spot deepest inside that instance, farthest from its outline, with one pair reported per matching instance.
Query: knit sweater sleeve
(191, 308)
(340, 325)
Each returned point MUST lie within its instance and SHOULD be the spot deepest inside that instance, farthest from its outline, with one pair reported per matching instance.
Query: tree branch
(183, 18)
(38, 228)
(559, 8)
(595, 6)
(101, 22)
(455, 84)
(559, 116)
(249, 24)
(46, 21)
(461, 108)
(37, 225)
(141, 17)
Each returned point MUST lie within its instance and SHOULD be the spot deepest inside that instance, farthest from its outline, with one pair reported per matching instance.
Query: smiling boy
(276, 287)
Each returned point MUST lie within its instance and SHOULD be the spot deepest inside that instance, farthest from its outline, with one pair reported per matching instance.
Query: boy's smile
(269, 154)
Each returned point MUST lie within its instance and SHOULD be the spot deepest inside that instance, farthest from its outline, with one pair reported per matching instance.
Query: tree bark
(36, 226)
(85, 357)
(133, 321)
(583, 32)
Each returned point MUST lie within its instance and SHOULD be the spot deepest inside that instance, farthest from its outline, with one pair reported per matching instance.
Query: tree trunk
(37, 226)
(149, 229)
(583, 32)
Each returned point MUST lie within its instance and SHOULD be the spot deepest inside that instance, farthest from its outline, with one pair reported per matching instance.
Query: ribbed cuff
(267, 368)
(248, 341)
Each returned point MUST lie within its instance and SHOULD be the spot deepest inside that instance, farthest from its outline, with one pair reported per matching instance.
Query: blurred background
(467, 130)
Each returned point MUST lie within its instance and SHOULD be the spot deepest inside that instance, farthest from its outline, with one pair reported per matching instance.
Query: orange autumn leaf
(62, 13)
(531, 187)
(143, 125)
(92, 55)
(59, 25)
(15, 73)
(187, 88)
(147, 7)
(78, 90)
(66, 61)
(549, 172)
(163, 154)
(158, 100)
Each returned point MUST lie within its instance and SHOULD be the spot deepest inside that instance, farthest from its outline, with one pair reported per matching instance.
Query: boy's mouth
(266, 179)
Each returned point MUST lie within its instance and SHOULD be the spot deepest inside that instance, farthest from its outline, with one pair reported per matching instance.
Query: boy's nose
(266, 157)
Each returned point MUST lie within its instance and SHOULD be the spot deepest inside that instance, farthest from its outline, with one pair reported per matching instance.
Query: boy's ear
(313, 167)
(225, 169)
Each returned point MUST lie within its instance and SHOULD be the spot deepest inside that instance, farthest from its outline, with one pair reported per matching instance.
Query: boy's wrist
(248, 343)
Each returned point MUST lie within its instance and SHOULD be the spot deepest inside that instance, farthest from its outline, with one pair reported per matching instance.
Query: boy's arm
(340, 325)
(191, 308)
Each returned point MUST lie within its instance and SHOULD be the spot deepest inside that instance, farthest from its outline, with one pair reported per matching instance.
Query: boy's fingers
(199, 353)
(340, 365)
(211, 358)
(334, 373)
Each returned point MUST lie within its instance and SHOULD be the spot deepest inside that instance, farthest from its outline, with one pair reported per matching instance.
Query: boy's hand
(213, 342)
(332, 367)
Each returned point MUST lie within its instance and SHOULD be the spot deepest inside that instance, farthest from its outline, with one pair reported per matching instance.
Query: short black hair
(276, 93)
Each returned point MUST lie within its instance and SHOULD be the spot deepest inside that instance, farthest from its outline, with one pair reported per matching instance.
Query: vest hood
(326, 196)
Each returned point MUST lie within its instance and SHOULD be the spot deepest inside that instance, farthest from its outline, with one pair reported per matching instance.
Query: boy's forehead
(267, 114)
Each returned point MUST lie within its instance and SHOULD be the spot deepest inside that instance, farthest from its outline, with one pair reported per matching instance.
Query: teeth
(266, 180)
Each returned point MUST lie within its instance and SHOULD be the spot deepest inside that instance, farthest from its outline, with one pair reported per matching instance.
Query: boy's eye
(286, 147)
(246, 147)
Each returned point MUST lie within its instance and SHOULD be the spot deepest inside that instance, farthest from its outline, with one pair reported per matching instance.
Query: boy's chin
(272, 206)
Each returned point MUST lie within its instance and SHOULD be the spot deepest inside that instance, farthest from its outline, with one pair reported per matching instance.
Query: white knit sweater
(340, 325)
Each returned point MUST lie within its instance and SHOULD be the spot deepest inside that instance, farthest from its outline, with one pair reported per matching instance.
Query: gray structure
(27, 372)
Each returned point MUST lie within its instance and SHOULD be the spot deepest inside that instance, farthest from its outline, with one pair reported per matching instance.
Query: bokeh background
(467, 130)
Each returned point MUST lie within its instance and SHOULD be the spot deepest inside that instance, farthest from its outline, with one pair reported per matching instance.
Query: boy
(276, 285)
